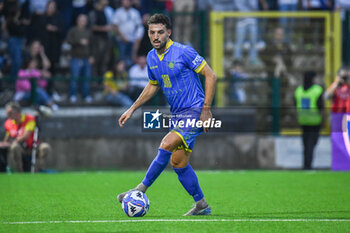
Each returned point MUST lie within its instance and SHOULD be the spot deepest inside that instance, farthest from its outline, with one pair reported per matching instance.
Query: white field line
(179, 220)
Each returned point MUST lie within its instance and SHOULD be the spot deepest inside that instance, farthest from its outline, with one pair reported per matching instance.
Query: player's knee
(178, 162)
(166, 145)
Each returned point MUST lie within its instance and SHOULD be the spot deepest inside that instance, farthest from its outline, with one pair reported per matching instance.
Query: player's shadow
(295, 214)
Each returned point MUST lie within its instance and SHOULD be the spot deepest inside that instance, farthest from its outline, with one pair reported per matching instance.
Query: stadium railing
(315, 41)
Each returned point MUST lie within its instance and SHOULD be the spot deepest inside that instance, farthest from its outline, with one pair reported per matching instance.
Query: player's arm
(148, 92)
(210, 84)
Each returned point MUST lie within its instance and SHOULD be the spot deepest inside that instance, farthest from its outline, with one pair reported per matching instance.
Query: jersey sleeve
(152, 80)
(193, 60)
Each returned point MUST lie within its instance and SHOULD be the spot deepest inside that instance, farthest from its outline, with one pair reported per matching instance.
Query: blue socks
(157, 166)
(186, 175)
(189, 181)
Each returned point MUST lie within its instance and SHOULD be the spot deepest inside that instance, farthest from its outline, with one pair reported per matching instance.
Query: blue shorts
(188, 131)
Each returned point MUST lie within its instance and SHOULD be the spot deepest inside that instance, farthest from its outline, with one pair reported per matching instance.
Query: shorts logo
(152, 120)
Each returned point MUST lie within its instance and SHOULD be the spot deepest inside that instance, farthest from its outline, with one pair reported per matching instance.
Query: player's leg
(189, 180)
(169, 143)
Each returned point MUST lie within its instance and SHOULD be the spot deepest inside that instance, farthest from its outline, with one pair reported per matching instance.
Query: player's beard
(161, 45)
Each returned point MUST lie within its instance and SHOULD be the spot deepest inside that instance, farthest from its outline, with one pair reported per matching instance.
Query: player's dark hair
(14, 106)
(160, 19)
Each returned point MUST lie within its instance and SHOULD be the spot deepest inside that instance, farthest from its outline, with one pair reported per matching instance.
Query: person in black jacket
(53, 36)
(15, 26)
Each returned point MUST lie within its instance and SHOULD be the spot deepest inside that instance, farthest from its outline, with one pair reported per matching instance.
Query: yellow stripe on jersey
(200, 67)
(153, 82)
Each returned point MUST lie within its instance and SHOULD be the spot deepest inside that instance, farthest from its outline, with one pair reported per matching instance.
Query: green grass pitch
(241, 201)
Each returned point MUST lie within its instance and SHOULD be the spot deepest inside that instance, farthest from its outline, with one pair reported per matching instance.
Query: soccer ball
(135, 204)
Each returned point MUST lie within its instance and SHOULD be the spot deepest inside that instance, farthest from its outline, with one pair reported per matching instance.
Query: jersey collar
(168, 44)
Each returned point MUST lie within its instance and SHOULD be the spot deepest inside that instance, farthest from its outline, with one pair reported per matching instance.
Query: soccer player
(173, 67)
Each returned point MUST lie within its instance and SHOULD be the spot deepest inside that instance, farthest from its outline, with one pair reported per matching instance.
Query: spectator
(15, 25)
(287, 23)
(236, 90)
(38, 6)
(339, 92)
(247, 25)
(37, 53)
(101, 45)
(19, 137)
(143, 46)
(309, 105)
(222, 5)
(79, 38)
(318, 5)
(23, 85)
(128, 26)
(183, 23)
(138, 77)
(116, 84)
(52, 39)
(277, 55)
(342, 5)
(65, 9)
(315, 28)
(109, 12)
(37, 22)
(151, 6)
(79, 7)
(277, 58)
(272, 5)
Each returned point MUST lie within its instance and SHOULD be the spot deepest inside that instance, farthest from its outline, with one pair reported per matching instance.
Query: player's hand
(125, 117)
(205, 115)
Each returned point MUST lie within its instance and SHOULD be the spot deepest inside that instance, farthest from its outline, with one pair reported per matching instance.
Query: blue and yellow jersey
(176, 72)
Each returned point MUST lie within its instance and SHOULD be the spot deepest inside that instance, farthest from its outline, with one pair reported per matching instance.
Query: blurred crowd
(107, 39)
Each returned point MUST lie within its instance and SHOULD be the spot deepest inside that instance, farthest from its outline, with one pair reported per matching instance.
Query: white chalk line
(178, 220)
